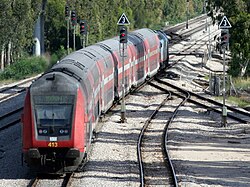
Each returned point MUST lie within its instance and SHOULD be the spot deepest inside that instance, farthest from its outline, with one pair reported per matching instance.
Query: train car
(63, 106)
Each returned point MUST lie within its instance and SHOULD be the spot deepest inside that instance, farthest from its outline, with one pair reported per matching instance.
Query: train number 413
(53, 144)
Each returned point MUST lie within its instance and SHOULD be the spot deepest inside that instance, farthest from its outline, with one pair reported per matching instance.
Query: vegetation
(242, 83)
(241, 102)
(24, 67)
(17, 20)
(238, 13)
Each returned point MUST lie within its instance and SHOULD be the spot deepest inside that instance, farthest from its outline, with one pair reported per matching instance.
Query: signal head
(123, 35)
(224, 38)
(73, 17)
(66, 11)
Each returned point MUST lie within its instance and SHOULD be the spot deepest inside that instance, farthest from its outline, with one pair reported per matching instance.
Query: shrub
(24, 67)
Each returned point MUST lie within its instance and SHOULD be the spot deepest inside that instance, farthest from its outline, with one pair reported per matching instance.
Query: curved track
(160, 170)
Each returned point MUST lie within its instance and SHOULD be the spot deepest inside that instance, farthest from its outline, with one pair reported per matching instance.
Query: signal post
(224, 26)
(67, 13)
(122, 22)
(74, 23)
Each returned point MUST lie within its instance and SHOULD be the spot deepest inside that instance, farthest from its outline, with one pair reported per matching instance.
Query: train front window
(53, 115)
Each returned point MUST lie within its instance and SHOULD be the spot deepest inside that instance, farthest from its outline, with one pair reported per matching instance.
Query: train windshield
(53, 115)
(53, 110)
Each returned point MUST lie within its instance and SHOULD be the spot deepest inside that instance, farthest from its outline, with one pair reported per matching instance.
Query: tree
(238, 13)
(15, 31)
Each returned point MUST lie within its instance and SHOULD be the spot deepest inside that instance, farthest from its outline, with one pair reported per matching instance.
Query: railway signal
(123, 34)
(224, 26)
(66, 11)
(224, 38)
(122, 22)
(83, 27)
(74, 23)
(73, 18)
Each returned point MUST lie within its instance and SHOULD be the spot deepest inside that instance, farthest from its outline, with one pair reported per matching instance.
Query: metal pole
(86, 42)
(123, 109)
(209, 48)
(224, 108)
(187, 12)
(74, 38)
(83, 41)
(205, 9)
(68, 34)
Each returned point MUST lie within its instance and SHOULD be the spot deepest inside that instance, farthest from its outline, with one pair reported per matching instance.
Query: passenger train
(63, 106)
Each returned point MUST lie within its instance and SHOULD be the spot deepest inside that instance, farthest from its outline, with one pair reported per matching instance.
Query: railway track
(9, 119)
(155, 164)
(177, 38)
(64, 181)
(15, 89)
(211, 105)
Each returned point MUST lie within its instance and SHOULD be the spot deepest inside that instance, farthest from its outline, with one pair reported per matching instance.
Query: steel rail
(139, 151)
(206, 99)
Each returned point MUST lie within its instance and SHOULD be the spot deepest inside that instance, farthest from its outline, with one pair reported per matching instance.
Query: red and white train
(63, 106)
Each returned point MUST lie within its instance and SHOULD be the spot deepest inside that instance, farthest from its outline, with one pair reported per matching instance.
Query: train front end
(53, 124)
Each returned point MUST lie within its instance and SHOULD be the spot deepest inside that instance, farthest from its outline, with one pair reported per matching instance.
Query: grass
(241, 102)
(242, 83)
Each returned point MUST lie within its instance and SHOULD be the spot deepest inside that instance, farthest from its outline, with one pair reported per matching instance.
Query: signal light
(224, 37)
(83, 27)
(66, 11)
(73, 18)
(123, 35)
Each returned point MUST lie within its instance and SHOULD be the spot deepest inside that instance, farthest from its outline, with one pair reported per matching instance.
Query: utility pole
(39, 31)
(187, 13)
(205, 11)
(209, 38)
(207, 26)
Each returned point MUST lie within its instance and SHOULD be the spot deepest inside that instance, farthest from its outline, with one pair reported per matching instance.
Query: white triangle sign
(123, 20)
(225, 24)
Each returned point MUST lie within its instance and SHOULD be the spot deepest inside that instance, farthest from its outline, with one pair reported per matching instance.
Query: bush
(24, 67)
(29, 66)
(58, 55)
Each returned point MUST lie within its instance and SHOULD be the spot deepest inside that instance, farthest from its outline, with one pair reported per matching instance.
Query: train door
(116, 79)
(132, 64)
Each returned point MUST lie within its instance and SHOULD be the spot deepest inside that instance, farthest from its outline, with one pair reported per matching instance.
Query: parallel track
(236, 114)
(147, 139)
(16, 89)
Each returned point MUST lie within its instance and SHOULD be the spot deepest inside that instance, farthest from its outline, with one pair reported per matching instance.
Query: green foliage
(55, 57)
(16, 20)
(241, 102)
(102, 17)
(24, 67)
(238, 13)
(242, 83)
